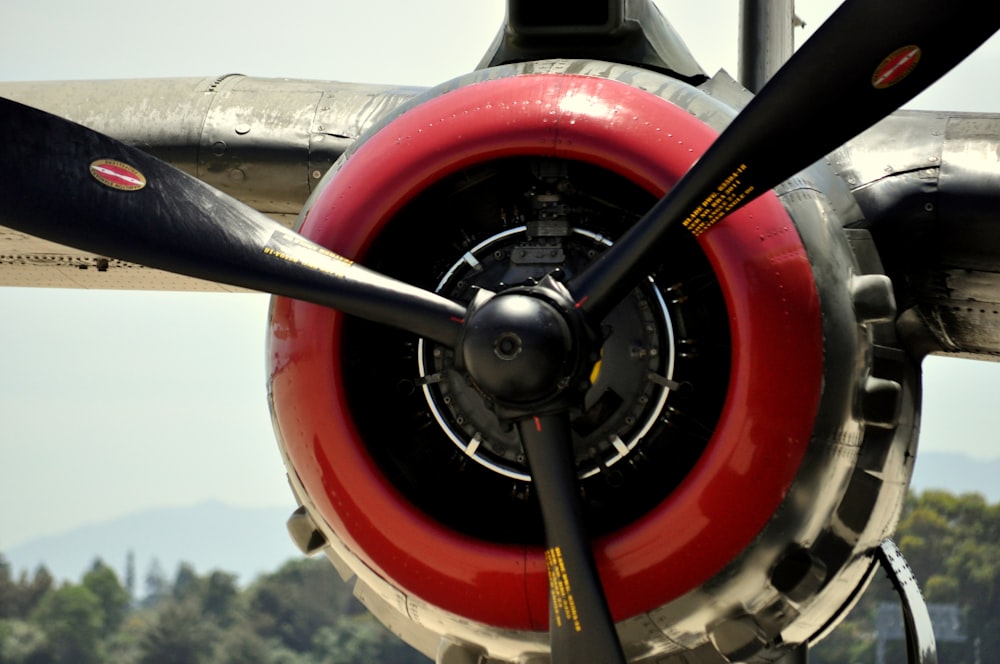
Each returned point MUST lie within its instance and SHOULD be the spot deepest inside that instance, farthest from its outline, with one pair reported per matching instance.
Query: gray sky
(115, 402)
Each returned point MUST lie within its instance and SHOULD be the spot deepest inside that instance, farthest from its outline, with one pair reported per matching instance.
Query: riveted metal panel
(257, 143)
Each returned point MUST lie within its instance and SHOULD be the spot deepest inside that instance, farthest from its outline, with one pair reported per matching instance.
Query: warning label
(729, 195)
(563, 605)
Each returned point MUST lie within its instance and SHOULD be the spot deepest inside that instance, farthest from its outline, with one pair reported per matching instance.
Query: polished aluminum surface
(766, 40)
(928, 185)
(266, 142)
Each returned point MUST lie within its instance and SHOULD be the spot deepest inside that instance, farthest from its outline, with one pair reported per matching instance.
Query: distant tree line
(301, 614)
(304, 614)
(953, 545)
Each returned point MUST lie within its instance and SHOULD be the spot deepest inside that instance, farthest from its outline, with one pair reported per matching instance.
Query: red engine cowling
(741, 448)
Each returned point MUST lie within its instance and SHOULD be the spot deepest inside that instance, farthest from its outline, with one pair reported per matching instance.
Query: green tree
(186, 582)
(953, 545)
(292, 604)
(22, 596)
(8, 607)
(125, 645)
(177, 635)
(73, 621)
(361, 639)
(961, 565)
(130, 575)
(349, 641)
(103, 582)
(22, 642)
(218, 599)
(157, 586)
(241, 645)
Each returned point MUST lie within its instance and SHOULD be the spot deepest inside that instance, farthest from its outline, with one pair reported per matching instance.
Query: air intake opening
(565, 16)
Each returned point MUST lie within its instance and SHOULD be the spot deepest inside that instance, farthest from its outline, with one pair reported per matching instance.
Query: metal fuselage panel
(266, 142)
(928, 184)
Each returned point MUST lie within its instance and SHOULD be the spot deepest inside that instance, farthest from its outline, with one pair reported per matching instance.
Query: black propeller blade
(66, 183)
(868, 59)
(580, 624)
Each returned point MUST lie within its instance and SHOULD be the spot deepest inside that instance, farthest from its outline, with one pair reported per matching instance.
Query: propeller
(580, 624)
(869, 58)
(66, 183)
(74, 186)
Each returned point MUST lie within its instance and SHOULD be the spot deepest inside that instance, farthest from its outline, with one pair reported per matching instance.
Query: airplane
(776, 323)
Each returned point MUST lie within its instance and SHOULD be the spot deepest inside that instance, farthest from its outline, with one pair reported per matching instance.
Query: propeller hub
(518, 348)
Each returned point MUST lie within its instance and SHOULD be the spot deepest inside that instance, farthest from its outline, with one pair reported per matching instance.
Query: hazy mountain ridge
(252, 541)
(210, 535)
(958, 474)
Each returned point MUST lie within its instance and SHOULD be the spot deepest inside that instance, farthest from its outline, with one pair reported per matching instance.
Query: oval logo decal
(896, 67)
(117, 175)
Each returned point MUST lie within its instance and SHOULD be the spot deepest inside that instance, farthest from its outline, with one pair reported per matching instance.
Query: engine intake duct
(563, 17)
(632, 32)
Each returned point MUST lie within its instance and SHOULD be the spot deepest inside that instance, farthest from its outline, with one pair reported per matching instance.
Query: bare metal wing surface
(926, 183)
(266, 142)
(631, 370)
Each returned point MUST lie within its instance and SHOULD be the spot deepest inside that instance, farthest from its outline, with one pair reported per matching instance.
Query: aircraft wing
(266, 142)
(927, 183)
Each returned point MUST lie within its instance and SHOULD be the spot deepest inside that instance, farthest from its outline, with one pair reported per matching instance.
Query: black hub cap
(518, 348)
